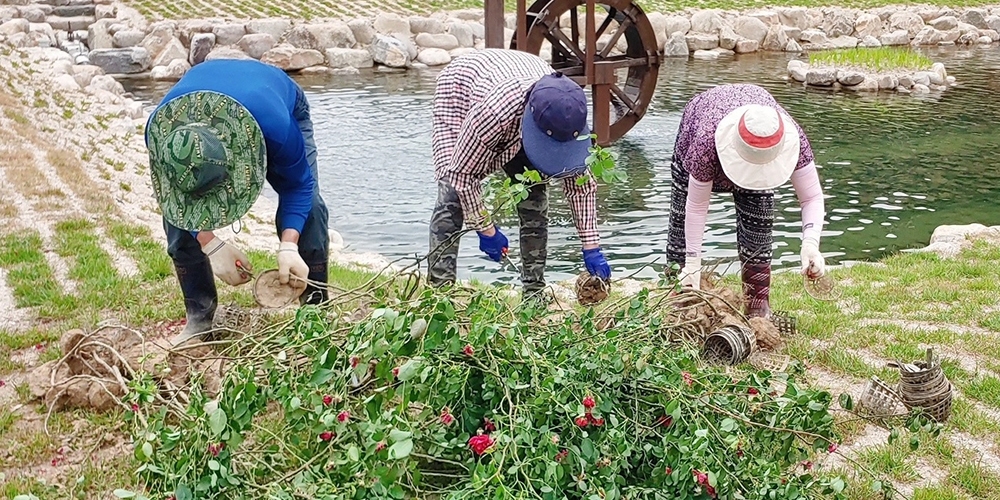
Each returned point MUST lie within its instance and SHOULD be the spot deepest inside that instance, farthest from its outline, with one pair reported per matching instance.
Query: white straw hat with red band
(758, 147)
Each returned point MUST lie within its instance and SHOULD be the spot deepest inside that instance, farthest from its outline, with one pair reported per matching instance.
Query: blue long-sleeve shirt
(270, 96)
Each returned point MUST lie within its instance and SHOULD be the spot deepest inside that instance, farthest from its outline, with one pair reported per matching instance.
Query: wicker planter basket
(924, 386)
(729, 345)
(879, 400)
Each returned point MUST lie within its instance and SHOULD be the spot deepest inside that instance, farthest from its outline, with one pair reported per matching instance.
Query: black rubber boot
(200, 300)
(313, 294)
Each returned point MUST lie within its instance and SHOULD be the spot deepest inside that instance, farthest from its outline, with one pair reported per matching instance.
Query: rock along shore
(119, 40)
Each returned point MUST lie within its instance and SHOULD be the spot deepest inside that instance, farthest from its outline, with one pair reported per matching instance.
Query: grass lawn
(873, 59)
(302, 9)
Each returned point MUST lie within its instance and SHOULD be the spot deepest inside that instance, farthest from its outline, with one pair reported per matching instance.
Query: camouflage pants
(447, 220)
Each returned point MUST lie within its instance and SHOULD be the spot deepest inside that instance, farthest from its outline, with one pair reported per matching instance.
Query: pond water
(893, 167)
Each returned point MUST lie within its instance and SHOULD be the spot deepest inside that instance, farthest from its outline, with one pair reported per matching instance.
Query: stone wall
(120, 40)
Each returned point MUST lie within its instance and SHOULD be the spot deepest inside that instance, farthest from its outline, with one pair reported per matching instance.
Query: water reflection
(893, 167)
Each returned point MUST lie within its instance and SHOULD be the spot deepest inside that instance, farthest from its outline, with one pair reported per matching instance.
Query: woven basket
(729, 345)
(772, 362)
(878, 400)
(926, 387)
(784, 322)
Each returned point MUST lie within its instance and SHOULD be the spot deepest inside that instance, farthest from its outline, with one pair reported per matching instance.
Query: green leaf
(213, 465)
(397, 491)
(147, 450)
(120, 493)
(409, 369)
(294, 403)
(847, 401)
(701, 433)
(817, 406)
(29, 496)
(183, 492)
(321, 376)
(401, 449)
(217, 421)
(914, 442)
(587, 448)
(837, 484)
(353, 453)
(397, 435)
(728, 425)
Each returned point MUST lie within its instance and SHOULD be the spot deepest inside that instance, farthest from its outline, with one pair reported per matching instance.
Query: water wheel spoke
(574, 26)
(614, 38)
(612, 12)
(560, 42)
(618, 92)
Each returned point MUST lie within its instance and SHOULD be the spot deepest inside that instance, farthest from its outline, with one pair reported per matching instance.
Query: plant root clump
(768, 336)
(269, 292)
(97, 369)
(591, 289)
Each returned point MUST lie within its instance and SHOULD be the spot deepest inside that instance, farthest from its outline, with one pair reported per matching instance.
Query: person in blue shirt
(223, 129)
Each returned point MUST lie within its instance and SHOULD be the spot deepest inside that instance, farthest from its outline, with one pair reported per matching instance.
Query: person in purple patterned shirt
(736, 138)
(498, 109)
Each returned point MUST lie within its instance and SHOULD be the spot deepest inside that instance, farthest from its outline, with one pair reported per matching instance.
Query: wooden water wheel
(621, 81)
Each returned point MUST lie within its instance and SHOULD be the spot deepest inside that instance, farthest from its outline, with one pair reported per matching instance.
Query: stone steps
(74, 23)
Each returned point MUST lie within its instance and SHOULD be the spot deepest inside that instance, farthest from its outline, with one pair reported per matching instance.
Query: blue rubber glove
(596, 263)
(493, 246)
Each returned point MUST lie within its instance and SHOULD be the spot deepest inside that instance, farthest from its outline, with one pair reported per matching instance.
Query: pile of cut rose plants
(471, 397)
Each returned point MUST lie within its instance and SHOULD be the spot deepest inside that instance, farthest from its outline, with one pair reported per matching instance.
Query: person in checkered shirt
(499, 109)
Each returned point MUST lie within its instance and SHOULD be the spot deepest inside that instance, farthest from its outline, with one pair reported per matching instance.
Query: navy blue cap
(554, 121)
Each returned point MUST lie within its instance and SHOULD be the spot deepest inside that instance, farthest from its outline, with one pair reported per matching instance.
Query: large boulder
(906, 20)
(928, 36)
(775, 39)
(676, 46)
(389, 51)
(728, 38)
(868, 25)
(348, 58)
(794, 16)
(159, 36)
(127, 38)
(14, 26)
(186, 30)
(229, 34)
(701, 41)
(434, 57)
(226, 52)
(659, 24)
(897, 37)
(463, 32)
(944, 23)
(750, 28)
(363, 31)
(425, 25)
(440, 41)
(821, 77)
(676, 24)
(289, 58)
(844, 42)
(797, 70)
(388, 24)
(976, 17)
(993, 22)
(121, 61)
(332, 34)
(276, 27)
(98, 36)
(838, 22)
(256, 44)
(201, 45)
(850, 77)
(173, 51)
(706, 21)
(301, 38)
(746, 46)
(173, 71)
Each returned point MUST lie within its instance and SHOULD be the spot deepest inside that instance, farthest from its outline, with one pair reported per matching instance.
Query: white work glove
(290, 263)
(691, 273)
(224, 257)
(813, 264)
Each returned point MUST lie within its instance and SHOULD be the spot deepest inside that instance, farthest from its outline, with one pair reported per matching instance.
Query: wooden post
(493, 17)
(522, 25)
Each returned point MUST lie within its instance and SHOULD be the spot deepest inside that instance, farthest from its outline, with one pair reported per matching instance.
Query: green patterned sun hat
(207, 159)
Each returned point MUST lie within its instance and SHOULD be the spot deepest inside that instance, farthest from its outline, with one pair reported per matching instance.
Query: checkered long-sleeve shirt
(478, 105)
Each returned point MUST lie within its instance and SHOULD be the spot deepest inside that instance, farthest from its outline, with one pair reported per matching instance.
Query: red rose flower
(2, 383)
(327, 400)
(832, 448)
(468, 350)
(488, 425)
(215, 449)
(135, 408)
(562, 455)
(753, 391)
(597, 421)
(380, 446)
(588, 402)
(710, 490)
(687, 378)
(326, 435)
(395, 372)
(480, 443)
(344, 416)
(807, 465)
(665, 421)
(354, 361)
(446, 417)
(668, 470)
(39, 347)
(699, 476)
(582, 421)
